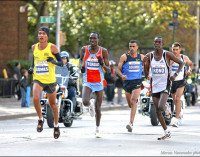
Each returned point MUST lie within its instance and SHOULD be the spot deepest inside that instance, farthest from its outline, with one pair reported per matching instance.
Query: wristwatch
(176, 73)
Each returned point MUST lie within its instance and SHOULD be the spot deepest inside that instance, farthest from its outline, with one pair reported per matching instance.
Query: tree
(35, 10)
(117, 22)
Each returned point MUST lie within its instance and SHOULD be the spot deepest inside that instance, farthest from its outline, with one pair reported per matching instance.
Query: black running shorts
(130, 85)
(49, 88)
(177, 84)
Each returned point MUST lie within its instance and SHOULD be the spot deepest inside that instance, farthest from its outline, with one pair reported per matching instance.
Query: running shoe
(180, 119)
(166, 136)
(129, 127)
(176, 123)
(97, 134)
(40, 125)
(56, 132)
(92, 108)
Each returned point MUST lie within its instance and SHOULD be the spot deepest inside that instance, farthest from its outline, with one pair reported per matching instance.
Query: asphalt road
(19, 137)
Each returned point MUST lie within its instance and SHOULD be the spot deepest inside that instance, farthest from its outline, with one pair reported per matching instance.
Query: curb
(22, 115)
(7, 117)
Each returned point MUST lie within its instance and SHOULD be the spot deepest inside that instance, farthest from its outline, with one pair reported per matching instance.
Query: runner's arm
(172, 57)
(189, 62)
(106, 65)
(55, 52)
(82, 53)
(146, 63)
(122, 60)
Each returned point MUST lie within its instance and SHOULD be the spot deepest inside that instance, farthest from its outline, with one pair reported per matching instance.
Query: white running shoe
(180, 119)
(97, 134)
(92, 108)
(176, 123)
(129, 127)
(166, 136)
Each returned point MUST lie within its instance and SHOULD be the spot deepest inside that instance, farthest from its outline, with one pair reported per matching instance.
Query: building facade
(14, 32)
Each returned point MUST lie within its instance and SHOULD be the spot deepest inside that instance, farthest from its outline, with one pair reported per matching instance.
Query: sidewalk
(10, 108)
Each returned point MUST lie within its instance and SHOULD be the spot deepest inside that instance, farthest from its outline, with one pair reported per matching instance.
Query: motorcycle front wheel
(153, 116)
(68, 124)
(50, 119)
(168, 121)
(187, 100)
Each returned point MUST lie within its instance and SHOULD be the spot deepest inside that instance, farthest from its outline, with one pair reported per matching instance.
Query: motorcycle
(147, 108)
(190, 93)
(65, 105)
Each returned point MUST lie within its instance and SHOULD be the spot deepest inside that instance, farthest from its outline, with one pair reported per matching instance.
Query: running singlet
(93, 70)
(132, 68)
(160, 73)
(174, 68)
(43, 71)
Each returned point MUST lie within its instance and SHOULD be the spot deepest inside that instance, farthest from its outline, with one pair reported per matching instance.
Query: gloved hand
(100, 61)
(82, 69)
(30, 70)
(50, 59)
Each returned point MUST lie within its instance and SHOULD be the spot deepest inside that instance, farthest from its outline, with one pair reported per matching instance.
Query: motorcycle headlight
(144, 100)
(189, 81)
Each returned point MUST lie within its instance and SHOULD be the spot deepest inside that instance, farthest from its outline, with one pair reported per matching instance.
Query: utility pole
(58, 25)
(197, 39)
(174, 29)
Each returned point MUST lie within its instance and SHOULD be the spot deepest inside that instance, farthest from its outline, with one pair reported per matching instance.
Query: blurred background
(117, 22)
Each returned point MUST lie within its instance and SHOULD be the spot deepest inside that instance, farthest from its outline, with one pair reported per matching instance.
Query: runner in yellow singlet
(45, 57)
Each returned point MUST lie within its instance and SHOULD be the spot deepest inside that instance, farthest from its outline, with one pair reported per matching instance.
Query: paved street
(19, 137)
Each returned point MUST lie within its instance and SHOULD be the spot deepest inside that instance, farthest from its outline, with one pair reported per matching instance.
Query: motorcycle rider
(179, 83)
(67, 70)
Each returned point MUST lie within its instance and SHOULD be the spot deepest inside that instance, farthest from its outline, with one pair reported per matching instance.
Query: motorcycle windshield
(62, 75)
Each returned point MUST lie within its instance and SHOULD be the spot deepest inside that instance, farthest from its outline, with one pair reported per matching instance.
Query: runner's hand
(83, 69)
(30, 71)
(100, 61)
(50, 59)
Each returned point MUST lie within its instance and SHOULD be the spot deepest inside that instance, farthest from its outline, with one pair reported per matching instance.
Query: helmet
(65, 54)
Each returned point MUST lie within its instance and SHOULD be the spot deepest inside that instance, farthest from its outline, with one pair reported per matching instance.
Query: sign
(47, 19)
(61, 13)
(173, 24)
(62, 38)
(175, 14)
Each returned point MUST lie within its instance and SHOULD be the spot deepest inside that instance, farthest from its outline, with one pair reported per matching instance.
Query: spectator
(17, 77)
(119, 85)
(23, 86)
(110, 78)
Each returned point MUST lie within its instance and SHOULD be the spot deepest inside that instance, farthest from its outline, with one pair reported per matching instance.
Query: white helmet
(65, 54)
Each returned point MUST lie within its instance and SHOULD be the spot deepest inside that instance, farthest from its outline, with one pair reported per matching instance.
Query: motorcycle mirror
(75, 68)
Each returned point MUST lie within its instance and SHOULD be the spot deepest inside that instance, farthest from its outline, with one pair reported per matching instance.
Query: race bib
(42, 68)
(93, 64)
(158, 70)
(134, 66)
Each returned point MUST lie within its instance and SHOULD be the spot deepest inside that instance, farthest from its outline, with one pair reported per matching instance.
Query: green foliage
(118, 22)
(25, 64)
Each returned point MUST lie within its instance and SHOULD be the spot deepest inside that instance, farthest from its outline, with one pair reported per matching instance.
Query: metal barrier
(7, 87)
